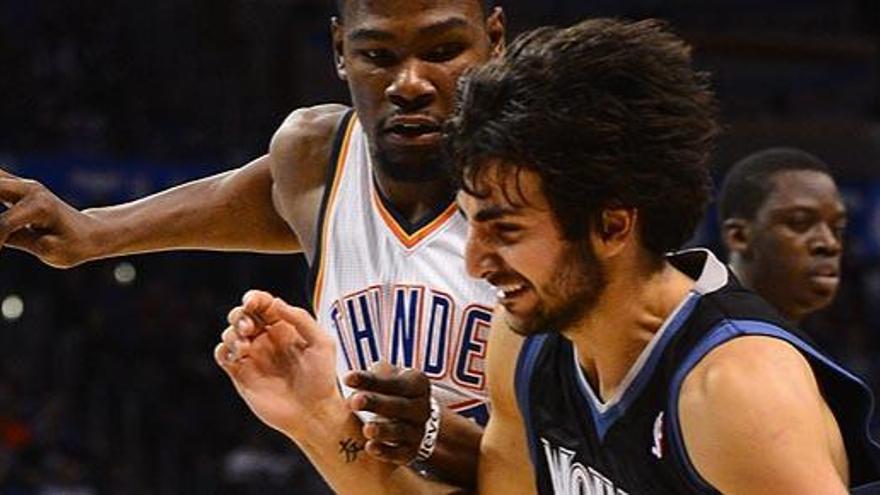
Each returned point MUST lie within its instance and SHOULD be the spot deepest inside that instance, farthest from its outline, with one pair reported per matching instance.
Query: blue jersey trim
(723, 332)
(869, 489)
(604, 420)
(525, 366)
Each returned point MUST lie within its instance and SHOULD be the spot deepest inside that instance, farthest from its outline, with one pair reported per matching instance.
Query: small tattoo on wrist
(350, 448)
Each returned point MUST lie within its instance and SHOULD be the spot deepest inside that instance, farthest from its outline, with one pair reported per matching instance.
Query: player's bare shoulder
(300, 155)
(302, 145)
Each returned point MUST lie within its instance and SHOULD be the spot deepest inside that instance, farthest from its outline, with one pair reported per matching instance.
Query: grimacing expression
(545, 282)
(402, 60)
(797, 241)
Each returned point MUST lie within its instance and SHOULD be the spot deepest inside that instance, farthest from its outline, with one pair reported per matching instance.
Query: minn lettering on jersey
(570, 477)
(413, 326)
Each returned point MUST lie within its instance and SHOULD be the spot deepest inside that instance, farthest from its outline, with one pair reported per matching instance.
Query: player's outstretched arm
(283, 366)
(251, 208)
(402, 399)
(232, 210)
(754, 421)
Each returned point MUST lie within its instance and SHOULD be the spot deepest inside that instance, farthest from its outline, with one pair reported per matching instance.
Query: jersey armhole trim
(334, 173)
(525, 367)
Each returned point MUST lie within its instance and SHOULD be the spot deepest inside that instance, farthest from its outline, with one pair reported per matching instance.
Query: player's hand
(402, 399)
(280, 361)
(40, 223)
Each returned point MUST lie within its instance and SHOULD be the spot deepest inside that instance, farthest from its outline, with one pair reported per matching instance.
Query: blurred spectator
(782, 221)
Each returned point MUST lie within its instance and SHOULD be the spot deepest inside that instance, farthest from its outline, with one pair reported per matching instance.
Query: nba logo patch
(657, 448)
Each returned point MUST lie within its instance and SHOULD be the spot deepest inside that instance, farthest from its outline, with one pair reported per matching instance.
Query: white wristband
(432, 430)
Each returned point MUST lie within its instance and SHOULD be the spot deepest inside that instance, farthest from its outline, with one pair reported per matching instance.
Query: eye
(507, 233)
(800, 222)
(378, 56)
(444, 52)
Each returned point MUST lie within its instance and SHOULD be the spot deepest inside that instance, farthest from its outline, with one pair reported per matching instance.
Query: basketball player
(613, 366)
(783, 222)
(363, 194)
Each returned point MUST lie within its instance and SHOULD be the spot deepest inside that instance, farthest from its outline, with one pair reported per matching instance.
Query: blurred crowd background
(107, 384)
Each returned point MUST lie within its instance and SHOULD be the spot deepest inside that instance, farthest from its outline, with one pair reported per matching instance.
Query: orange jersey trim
(411, 240)
(328, 215)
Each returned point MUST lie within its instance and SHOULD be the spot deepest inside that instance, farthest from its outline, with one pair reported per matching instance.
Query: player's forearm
(458, 449)
(333, 441)
(229, 211)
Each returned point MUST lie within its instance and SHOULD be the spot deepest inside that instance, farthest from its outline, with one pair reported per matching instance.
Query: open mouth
(413, 130)
(508, 292)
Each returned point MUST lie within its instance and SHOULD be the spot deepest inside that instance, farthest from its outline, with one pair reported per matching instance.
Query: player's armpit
(754, 421)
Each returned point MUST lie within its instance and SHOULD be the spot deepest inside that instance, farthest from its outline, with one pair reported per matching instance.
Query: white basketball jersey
(396, 295)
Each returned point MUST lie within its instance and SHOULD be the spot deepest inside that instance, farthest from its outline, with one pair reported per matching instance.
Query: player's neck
(632, 309)
(415, 200)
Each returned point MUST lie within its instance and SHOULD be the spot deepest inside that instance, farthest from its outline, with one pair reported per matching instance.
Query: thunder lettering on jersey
(397, 292)
(632, 443)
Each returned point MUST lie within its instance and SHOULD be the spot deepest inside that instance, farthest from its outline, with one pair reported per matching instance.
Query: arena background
(106, 379)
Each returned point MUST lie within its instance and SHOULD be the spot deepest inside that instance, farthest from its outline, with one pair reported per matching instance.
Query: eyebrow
(490, 213)
(805, 209)
(372, 34)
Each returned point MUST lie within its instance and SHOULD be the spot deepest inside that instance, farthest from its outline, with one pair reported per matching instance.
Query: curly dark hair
(608, 113)
(750, 180)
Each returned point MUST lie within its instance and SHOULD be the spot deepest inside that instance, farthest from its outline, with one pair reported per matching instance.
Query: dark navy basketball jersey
(632, 444)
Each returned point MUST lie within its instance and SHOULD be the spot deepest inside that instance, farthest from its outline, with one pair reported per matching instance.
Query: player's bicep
(504, 466)
(754, 421)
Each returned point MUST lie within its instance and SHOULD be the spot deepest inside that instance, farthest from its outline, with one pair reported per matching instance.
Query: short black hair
(750, 180)
(486, 4)
(608, 113)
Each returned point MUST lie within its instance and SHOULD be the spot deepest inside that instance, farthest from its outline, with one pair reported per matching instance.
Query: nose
(480, 259)
(411, 89)
(826, 241)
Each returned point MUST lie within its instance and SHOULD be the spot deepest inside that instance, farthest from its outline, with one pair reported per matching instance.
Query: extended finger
(406, 383)
(392, 407)
(25, 240)
(243, 323)
(17, 217)
(13, 189)
(223, 358)
(238, 347)
(259, 304)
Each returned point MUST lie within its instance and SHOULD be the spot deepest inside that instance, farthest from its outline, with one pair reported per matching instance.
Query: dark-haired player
(614, 367)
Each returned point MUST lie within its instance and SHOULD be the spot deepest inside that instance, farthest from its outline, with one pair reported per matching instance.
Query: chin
(411, 165)
(523, 326)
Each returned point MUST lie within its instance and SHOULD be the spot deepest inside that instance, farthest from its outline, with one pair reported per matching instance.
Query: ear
(338, 34)
(496, 28)
(736, 235)
(614, 229)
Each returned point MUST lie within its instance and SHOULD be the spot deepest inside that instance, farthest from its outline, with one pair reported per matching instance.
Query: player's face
(797, 241)
(544, 282)
(402, 60)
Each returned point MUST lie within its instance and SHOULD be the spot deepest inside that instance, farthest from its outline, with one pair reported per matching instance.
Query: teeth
(505, 290)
